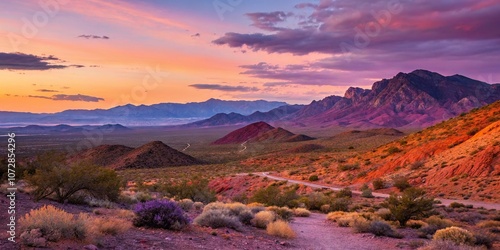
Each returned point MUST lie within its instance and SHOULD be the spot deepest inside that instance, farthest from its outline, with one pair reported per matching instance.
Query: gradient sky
(86, 54)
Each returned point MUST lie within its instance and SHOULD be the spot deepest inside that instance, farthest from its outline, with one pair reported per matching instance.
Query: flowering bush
(161, 214)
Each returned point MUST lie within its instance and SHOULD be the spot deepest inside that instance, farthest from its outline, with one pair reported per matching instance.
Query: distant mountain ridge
(417, 99)
(157, 114)
(63, 128)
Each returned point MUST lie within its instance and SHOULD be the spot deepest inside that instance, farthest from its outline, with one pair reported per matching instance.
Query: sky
(88, 54)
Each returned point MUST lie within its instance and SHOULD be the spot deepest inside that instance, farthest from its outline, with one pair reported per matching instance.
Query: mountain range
(142, 115)
(414, 100)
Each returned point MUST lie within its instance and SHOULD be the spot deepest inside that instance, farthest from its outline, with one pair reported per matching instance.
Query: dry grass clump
(97, 227)
(416, 224)
(489, 224)
(281, 229)
(54, 224)
(230, 215)
(457, 235)
(263, 218)
(447, 245)
(185, 204)
(198, 205)
(283, 213)
(301, 212)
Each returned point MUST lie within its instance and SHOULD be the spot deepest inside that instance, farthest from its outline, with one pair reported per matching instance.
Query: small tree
(53, 176)
(411, 204)
(378, 184)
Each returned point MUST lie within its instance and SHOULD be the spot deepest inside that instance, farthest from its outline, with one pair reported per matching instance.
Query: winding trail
(316, 233)
(445, 202)
(188, 145)
(244, 147)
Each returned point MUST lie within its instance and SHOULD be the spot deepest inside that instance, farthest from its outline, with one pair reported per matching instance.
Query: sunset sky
(86, 54)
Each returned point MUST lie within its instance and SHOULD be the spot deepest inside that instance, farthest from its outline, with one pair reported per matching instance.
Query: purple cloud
(226, 88)
(73, 98)
(93, 37)
(47, 90)
(268, 21)
(20, 61)
(424, 26)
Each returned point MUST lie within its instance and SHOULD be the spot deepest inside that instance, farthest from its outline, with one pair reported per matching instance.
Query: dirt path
(316, 233)
(445, 202)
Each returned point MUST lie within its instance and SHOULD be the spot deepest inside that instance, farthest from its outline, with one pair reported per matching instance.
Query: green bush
(313, 178)
(455, 234)
(54, 177)
(195, 188)
(347, 167)
(340, 204)
(345, 192)
(283, 213)
(273, 196)
(378, 184)
(401, 182)
(412, 204)
(393, 150)
(367, 193)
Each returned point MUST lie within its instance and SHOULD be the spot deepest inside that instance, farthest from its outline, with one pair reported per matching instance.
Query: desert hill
(151, 155)
(458, 158)
(261, 132)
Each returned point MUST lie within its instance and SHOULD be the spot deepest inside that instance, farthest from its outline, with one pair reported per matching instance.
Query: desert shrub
(412, 204)
(325, 208)
(106, 226)
(54, 224)
(185, 204)
(33, 238)
(393, 150)
(53, 176)
(313, 178)
(143, 196)
(439, 222)
(246, 216)
(416, 224)
(160, 214)
(283, 213)
(333, 216)
(367, 193)
(417, 165)
(473, 131)
(378, 184)
(314, 200)
(484, 239)
(273, 196)
(456, 205)
(263, 218)
(488, 224)
(198, 205)
(382, 228)
(344, 192)
(384, 213)
(195, 188)
(217, 218)
(455, 234)
(401, 182)
(281, 229)
(340, 204)
(301, 212)
(359, 224)
(347, 167)
(447, 245)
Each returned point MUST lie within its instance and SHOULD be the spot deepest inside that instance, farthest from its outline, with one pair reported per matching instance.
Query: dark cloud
(20, 61)
(93, 37)
(226, 88)
(268, 21)
(74, 98)
(413, 26)
(47, 90)
(196, 35)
